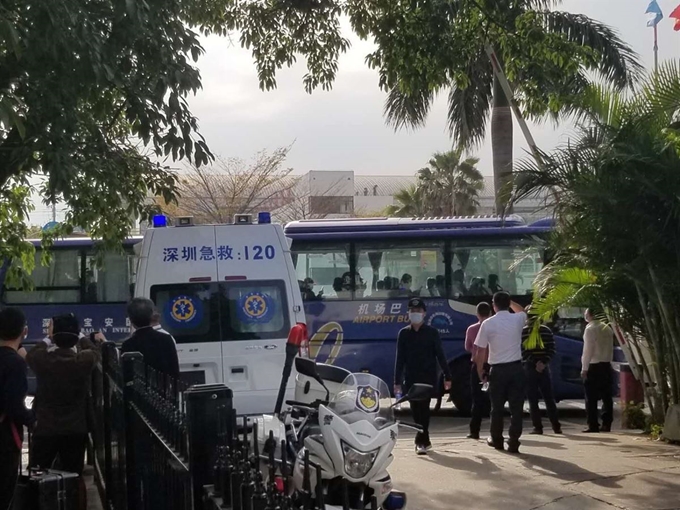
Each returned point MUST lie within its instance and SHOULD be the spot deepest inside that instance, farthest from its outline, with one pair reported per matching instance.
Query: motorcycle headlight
(357, 464)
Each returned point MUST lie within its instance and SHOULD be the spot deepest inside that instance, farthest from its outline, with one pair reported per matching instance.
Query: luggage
(47, 489)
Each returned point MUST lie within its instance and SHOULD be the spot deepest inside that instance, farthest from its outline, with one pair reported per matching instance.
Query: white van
(229, 295)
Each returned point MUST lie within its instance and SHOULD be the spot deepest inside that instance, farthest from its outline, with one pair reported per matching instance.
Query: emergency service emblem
(183, 310)
(368, 399)
(256, 307)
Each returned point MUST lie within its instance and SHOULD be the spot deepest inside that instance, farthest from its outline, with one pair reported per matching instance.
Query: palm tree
(550, 55)
(409, 204)
(451, 186)
(616, 189)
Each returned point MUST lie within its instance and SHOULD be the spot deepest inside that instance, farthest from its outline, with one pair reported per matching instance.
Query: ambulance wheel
(461, 395)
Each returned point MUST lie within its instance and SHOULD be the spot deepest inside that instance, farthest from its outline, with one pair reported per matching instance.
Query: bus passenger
(405, 283)
(494, 286)
(419, 351)
(431, 285)
(477, 287)
(459, 288)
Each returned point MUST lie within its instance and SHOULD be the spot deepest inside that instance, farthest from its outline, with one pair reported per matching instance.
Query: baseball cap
(416, 302)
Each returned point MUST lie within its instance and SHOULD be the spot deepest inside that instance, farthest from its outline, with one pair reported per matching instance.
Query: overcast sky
(344, 129)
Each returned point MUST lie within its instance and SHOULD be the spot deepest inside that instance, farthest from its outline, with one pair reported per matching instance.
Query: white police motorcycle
(350, 435)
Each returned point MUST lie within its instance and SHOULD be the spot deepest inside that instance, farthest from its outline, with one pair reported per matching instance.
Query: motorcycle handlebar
(413, 426)
(305, 405)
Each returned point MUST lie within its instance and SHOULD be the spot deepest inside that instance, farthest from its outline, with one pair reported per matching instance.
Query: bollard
(204, 403)
(631, 388)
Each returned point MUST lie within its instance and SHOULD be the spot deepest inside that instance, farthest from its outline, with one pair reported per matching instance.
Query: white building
(337, 194)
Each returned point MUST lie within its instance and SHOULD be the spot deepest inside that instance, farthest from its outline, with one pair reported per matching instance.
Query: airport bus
(356, 276)
(72, 283)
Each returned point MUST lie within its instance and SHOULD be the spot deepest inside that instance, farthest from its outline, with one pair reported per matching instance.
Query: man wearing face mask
(419, 351)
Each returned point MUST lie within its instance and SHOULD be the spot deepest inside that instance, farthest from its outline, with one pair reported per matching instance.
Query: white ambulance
(230, 296)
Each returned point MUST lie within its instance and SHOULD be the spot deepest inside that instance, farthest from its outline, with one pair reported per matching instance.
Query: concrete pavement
(620, 470)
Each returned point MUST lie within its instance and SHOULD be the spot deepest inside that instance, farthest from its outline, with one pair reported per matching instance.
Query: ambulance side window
(189, 311)
(255, 310)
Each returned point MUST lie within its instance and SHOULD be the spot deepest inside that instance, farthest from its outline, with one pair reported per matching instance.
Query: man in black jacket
(158, 348)
(13, 389)
(419, 350)
(538, 379)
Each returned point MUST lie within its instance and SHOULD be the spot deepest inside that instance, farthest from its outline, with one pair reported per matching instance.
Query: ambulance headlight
(358, 464)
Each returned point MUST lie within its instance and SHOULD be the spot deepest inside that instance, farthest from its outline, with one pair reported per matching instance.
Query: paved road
(619, 470)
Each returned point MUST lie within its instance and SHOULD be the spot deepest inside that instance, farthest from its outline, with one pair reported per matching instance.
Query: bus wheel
(461, 396)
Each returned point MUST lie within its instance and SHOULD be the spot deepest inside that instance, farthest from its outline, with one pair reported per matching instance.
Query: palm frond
(404, 110)
(661, 94)
(469, 106)
(618, 64)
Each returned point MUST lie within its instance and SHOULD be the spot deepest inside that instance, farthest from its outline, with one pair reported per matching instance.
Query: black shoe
(606, 428)
(513, 449)
(491, 443)
(537, 432)
(471, 435)
(590, 430)
(557, 430)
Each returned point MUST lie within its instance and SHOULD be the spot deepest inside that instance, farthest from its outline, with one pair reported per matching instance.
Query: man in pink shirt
(480, 399)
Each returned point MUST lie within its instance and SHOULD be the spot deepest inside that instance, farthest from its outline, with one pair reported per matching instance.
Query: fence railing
(154, 439)
(159, 444)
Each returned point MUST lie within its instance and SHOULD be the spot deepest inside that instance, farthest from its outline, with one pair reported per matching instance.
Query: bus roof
(460, 226)
(82, 242)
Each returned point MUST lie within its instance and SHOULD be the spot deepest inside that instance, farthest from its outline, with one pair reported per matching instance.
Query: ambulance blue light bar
(264, 218)
(159, 221)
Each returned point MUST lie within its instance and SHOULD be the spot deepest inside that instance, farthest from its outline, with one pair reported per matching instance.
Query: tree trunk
(501, 146)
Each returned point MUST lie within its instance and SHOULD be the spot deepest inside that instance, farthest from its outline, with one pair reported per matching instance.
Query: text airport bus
(356, 276)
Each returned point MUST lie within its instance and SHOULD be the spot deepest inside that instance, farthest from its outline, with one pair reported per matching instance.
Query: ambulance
(229, 295)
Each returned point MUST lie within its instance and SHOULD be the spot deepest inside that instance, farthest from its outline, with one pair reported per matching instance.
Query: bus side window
(400, 271)
(481, 271)
(58, 282)
(323, 272)
(111, 282)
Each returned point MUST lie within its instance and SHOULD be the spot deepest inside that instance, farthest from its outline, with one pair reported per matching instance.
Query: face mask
(415, 317)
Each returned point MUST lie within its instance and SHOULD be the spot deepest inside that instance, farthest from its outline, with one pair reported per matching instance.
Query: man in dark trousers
(13, 389)
(596, 371)
(502, 336)
(158, 349)
(480, 399)
(419, 350)
(538, 378)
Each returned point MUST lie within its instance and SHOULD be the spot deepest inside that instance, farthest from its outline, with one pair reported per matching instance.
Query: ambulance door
(256, 316)
(182, 281)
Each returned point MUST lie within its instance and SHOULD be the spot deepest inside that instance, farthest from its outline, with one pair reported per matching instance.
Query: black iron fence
(158, 444)
(154, 439)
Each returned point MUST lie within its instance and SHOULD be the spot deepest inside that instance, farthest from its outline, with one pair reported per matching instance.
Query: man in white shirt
(502, 336)
(596, 371)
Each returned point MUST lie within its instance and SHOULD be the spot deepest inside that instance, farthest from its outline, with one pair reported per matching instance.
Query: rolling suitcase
(47, 489)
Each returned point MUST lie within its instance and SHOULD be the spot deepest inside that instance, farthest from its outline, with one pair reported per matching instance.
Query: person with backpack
(13, 389)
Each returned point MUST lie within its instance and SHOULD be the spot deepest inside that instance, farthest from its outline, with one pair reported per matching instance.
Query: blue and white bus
(72, 283)
(356, 276)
